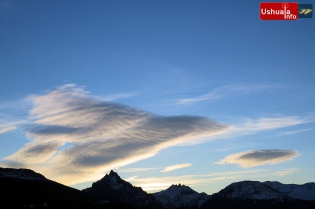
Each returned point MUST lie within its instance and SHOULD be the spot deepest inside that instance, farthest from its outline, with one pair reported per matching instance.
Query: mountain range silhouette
(24, 188)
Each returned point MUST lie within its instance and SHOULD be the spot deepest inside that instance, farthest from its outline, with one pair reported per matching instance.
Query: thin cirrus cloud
(102, 135)
(253, 158)
(175, 167)
(9, 126)
(4, 129)
(251, 126)
(225, 91)
(292, 132)
(288, 171)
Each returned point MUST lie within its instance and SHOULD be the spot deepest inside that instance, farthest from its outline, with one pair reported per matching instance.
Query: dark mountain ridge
(180, 197)
(22, 188)
(255, 194)
(112, 188)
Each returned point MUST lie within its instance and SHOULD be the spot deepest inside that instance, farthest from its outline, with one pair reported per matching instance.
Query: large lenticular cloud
(254, 158)
(102, 135)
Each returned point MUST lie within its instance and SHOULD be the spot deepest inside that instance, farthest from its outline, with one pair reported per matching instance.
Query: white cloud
(226, 91)
(251, 126)
(4, 129)
(9, 126)
(287, 172)
(292, 132)
(35, 153)
(254, 158)
(102, 135)
(175, 167)
(131, 178)
(105, 135)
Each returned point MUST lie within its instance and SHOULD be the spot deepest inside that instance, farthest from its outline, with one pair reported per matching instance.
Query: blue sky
(202, 90)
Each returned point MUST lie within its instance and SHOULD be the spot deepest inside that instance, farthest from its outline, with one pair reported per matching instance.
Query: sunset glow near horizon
(162, 92)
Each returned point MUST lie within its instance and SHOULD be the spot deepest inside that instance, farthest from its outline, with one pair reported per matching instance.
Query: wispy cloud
(225, 91)
(287, 172)
(131, 178)
(252, 126)
(4, 129)
(10, 126)
(292, 132)
(254, 158)
(175, 167)
(102, 135)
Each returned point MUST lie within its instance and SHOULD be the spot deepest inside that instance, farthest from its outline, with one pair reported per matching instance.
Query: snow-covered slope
(180, 196)
(255, 194)
(251, 190)
(20, 174)
(304, 191)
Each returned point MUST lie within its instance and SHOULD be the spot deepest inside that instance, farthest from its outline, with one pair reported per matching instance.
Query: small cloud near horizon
(287, 172)
(175, 167)
(253, 158)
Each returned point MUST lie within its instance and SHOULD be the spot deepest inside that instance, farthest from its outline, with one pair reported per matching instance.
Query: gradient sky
(201, 93)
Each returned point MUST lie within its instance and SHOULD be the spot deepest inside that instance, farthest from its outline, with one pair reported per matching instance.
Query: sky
(196, 92)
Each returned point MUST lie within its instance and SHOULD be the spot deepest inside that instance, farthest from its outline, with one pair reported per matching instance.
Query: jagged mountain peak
(111, 187)
(113, 173)
(179, 187)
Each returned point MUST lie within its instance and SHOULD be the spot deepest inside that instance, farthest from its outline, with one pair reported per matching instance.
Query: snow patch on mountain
(304, 191)
(180, 196)
(251, 190)
(20, 174)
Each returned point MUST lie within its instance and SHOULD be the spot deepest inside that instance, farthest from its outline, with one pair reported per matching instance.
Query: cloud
(102, 135)
(131, 178)
(251, 126)
(35, 153)
(292, 132)
(175, 167)
(4, 129)
(254, 158)
(76, 137)
(225, 91)
(8, 124)
(287, 172)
